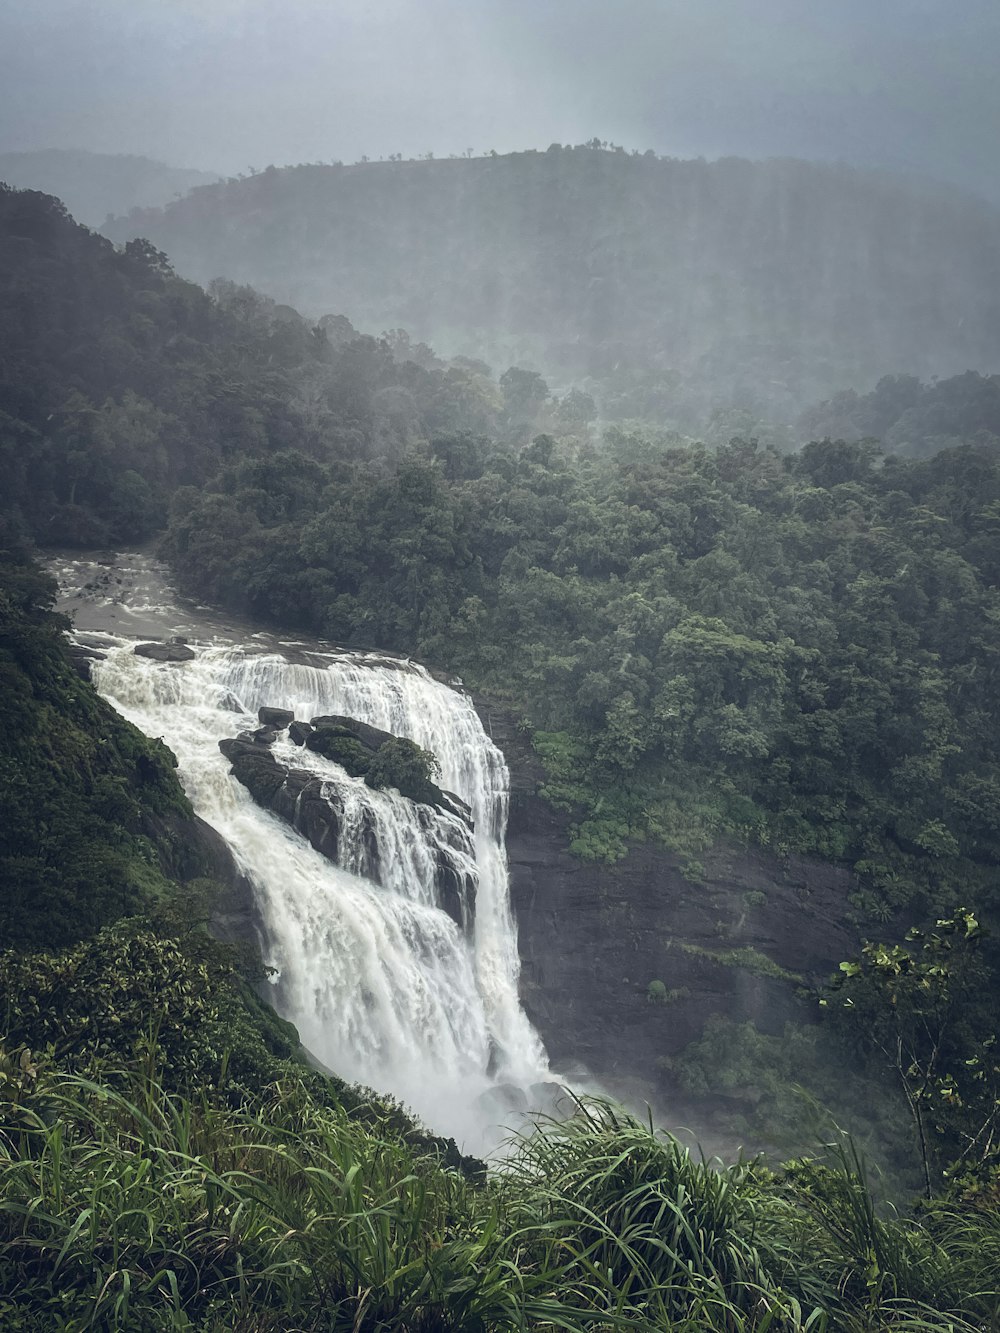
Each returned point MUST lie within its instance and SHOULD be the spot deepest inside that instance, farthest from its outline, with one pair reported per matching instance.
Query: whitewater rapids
(383, 985)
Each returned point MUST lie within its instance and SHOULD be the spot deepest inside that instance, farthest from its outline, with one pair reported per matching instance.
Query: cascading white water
(382, 984)
(406, 700)
(388, 839)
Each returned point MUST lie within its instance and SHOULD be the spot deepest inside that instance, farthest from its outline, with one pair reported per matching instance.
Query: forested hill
(911, 418)
(119, 381)
(778, 281)
(97, 185)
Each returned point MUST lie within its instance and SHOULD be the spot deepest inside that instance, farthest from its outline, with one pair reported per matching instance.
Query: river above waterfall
(385, 987)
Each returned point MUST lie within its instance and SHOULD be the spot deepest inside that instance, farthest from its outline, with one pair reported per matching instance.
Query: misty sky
(227, 84)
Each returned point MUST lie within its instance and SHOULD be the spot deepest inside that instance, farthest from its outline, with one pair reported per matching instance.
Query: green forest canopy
(800, 650)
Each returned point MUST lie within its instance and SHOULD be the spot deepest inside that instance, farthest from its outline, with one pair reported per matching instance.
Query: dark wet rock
(299, 732)
(165, 652)
(456, 892)
(255, 767)
(193, 850)
(551, 1099)
(454, 885)
(235, 915)
(370, 737)
(230, 703)
(83, 658)
(278, 718)
(429, 793)
(446, 678)
(301, 801)
(259, 736)
(311, 805)
(454, 805)
(353, 745)
(314, 807)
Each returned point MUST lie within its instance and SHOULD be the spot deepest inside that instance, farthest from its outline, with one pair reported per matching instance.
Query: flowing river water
(385, 987)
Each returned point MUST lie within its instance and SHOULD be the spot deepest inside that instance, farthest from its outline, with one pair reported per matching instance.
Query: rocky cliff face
(191, 849)
(742, 943)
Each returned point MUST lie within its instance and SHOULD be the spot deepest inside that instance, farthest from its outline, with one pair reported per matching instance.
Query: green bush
(402, 764)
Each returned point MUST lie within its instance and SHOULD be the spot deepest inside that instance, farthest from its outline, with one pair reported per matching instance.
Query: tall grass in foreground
(134, 1210)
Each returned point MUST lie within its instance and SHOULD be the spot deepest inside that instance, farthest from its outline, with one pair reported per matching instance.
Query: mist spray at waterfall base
(385, 987)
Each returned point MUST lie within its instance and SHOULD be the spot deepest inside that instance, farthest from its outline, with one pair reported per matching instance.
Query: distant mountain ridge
(781, 280)
(96, 185)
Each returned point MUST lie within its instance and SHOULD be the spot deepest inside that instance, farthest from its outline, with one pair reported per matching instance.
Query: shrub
(402, 764)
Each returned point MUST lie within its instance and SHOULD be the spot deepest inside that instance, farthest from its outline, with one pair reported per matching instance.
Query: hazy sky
(227, 84)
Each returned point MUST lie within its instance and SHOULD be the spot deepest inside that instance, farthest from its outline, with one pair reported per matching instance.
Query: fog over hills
(779, 281)
(902, 85)
(94, 185)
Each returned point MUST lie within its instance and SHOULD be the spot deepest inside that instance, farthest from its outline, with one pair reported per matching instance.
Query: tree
(923, 1007)
(834, 462)
(524, 392)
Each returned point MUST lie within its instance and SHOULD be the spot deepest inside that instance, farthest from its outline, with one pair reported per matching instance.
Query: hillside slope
(96, 185)
(120, 382)
(783, 280)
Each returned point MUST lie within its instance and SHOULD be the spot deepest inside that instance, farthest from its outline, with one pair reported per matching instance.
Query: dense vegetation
(911, 418)
(795, 649)
(119, 382)
(132, 1208)
(87, 803)
(675, 288)
(798, 650)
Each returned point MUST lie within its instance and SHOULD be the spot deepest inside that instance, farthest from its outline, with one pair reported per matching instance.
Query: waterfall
(384, 986)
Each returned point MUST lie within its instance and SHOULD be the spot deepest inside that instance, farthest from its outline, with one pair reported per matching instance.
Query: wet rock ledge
(314, 807)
